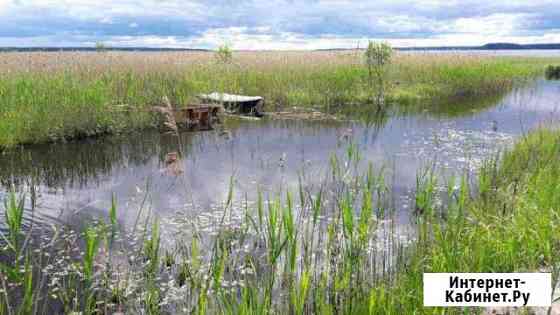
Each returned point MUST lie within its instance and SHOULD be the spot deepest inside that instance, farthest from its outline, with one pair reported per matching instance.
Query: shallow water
(501, 52)
(76, 180)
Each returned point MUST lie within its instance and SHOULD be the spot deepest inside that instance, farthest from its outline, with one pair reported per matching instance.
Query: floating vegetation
(249, 256)
(452, 149)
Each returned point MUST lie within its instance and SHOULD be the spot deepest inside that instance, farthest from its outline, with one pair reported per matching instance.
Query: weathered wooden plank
(238, 103)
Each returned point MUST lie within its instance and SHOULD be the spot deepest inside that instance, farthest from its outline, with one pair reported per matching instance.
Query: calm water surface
(76, 180)
(501, 52)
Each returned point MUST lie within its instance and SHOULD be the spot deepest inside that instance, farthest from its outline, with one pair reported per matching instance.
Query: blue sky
(276, 24)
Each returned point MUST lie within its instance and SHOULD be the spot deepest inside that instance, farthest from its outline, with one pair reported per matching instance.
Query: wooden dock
(198, 116)
(239, 104)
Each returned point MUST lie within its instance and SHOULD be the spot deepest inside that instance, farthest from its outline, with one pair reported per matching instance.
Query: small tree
(224, 60)
(100, 47)
(377, 58)
(224, 54)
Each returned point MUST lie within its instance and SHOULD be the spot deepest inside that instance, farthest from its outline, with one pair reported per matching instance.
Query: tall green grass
(329, 250)
(508, 224)
(65, 96)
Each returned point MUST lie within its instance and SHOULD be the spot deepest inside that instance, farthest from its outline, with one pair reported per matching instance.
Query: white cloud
(495, 24)
(4, 5)
(283, 41)
(277, 24)
(106, 20)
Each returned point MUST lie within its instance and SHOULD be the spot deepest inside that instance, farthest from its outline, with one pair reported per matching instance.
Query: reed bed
(267, 258)
(59, 96)
(327, 249)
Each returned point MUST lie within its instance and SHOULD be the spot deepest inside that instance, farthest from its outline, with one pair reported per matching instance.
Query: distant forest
(46, 49)
(491, 46)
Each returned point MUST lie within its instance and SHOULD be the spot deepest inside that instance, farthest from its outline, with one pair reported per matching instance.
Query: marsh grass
(257, 260)
(14, 219)
(509, 224)
(333, 249)
(61, 96)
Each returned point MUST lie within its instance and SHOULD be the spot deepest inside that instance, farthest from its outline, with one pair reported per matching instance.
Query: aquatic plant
(91, 238)
(13, 213)
(328, 249)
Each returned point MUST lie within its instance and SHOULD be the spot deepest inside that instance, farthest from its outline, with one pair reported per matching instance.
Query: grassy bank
(331, 249)
(53, 96)
(510, 225)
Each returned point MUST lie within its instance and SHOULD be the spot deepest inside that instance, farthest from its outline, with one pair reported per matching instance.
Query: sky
(276, 24)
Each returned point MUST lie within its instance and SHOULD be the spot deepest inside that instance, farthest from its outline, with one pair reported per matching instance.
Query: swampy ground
(58, 96)
(273, 216)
